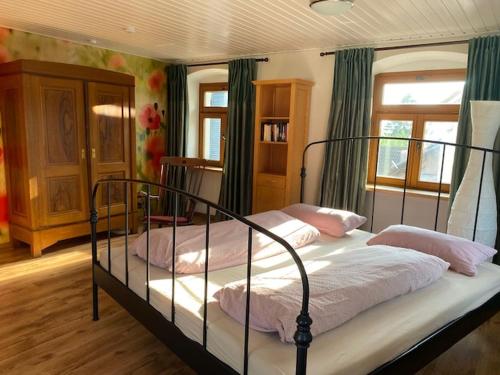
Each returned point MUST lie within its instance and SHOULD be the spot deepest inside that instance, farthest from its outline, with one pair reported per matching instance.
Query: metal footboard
(302, 336)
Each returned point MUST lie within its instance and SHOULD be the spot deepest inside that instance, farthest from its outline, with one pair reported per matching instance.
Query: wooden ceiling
(210, 29)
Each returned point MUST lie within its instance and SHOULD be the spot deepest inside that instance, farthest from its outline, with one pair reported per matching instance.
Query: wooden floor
(46, 326)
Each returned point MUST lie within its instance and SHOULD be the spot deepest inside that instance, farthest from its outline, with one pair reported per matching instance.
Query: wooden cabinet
(281, 128)
(65, 127)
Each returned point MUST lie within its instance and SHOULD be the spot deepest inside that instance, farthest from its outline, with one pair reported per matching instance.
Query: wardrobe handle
(83, 154)
(93, 153)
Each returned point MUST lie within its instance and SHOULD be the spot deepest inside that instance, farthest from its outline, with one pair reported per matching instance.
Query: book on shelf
(274, 132)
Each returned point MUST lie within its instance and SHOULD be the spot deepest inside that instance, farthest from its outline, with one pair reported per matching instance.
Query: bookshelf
(281, 129)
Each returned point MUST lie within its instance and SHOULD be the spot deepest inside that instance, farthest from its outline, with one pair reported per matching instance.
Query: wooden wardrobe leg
(36, 246)
(36, 251)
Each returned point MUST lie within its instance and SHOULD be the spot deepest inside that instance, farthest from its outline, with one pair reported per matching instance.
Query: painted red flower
(155, 149)
(149, 117)
(4, 54)
(4, 34)
(156, 80)
(116, 61)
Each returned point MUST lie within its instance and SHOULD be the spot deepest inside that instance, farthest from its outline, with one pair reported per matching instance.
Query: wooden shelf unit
(276, 177)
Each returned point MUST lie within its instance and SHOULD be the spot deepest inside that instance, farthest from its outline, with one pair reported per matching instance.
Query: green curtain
(236, 187)
(482, 83)
(343, 186)
(177, 112)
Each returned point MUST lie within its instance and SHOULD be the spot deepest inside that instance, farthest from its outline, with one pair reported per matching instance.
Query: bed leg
(95, 288)
(95, 301)
(302, 339)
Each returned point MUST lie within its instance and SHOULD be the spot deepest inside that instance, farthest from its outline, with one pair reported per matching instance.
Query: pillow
(228, 242)
(462, 254)
(327, 220)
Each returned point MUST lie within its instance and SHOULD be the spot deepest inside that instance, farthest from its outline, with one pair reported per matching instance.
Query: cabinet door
(268, 198)
(110, 144)
(58, 132)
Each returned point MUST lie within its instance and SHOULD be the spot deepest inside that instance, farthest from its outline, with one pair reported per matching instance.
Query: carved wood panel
(64, 194)
(110, 120)
(61, 125)
(117, 190)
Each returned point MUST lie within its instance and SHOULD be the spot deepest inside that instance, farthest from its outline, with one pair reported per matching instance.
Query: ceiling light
(131, 29)
(92, 41)
(331, 7)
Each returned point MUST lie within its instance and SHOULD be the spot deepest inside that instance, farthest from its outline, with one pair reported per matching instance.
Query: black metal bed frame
(195, 354)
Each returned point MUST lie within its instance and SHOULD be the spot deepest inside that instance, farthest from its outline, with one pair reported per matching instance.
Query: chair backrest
(182, 173)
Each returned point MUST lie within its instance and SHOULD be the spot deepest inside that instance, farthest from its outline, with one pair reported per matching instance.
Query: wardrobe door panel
(110, 132)
(60, 137)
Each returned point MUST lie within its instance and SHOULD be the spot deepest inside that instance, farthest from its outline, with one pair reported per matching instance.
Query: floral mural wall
(149, 94)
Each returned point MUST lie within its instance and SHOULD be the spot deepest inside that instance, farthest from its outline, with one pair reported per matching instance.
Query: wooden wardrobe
(65, 127)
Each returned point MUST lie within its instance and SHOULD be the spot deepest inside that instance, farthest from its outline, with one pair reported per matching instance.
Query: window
(422, 105)
(213, 120)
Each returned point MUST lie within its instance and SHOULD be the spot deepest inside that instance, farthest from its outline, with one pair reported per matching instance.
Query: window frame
(212, 112)
(419, 114)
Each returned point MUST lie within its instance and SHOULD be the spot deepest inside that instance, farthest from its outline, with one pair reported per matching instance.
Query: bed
(397, 336)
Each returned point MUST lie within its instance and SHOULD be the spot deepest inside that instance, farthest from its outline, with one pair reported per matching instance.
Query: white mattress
(357, 347)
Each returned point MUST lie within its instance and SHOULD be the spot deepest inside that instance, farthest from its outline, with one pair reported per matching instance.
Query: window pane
(393, 153)
(432, 154)
(215, 99)
(211, 138)
(423, 93)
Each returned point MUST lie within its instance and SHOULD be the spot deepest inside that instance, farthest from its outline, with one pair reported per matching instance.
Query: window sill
(214, 169)
(409, 192)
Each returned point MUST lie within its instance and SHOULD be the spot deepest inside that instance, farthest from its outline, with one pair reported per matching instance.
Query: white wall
(419, 210)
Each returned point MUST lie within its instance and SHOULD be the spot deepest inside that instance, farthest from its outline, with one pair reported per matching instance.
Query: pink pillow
(327, 220)
(462, 254)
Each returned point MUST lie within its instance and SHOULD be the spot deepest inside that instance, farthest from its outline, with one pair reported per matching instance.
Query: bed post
(93, 224)
(302, 339)
(303, 174)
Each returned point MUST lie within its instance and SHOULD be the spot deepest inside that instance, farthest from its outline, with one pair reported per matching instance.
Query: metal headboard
(377, 139)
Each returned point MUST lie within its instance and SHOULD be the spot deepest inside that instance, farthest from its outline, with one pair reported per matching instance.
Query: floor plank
(46, 325)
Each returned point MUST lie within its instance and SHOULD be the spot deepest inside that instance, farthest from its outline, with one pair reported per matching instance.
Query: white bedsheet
(357, 347)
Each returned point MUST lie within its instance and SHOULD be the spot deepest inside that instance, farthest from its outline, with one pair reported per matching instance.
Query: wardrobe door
(58, 132)
(110, 145)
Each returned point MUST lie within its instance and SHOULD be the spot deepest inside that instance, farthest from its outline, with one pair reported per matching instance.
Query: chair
(182, 173)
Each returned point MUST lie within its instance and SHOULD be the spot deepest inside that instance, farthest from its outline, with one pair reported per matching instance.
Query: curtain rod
(407, 46)
(264, 59)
